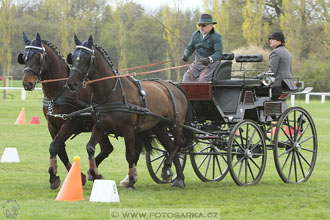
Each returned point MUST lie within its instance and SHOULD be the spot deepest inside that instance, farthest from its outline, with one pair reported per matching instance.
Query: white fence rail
(23, 92)
(307, 98)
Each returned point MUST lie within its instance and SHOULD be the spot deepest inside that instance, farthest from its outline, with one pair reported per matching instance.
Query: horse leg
(165, 140)
(57, 147)
(106, 149)
(97, 135)
(130, 156)
(178, 143)
(140, 140)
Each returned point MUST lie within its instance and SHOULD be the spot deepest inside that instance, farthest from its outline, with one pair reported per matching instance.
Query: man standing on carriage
(208, 45)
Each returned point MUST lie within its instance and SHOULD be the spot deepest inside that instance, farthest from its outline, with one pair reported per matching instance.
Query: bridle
(42, 61)
(85, 77)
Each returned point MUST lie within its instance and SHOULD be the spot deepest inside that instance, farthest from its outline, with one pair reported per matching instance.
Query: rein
(126, 75)
(134, 74)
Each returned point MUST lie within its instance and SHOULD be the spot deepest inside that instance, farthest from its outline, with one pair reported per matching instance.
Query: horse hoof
(98, 177)
(83, 179)
(130, 188)
(167, 174)
(55, 182)
(90, 176)
(178, 183)
(125, 181)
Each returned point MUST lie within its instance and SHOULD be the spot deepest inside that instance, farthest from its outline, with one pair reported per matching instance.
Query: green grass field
(27, 181)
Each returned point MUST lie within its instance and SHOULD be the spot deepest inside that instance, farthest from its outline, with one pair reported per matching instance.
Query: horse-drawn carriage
(233, 121)
(239, 120)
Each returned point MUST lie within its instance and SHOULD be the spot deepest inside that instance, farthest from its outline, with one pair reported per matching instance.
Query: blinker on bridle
(91, 63)
(42, 60)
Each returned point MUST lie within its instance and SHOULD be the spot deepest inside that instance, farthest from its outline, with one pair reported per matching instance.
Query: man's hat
(277, 36)
(206, 19)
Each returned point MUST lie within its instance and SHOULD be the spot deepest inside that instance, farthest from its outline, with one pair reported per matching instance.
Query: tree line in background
(134, 36)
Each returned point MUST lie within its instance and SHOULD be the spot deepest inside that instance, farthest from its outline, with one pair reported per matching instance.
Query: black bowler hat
(277, 36)
(206, 19)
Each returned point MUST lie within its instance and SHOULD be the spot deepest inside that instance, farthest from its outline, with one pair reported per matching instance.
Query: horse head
(34, 58)
(82, 61)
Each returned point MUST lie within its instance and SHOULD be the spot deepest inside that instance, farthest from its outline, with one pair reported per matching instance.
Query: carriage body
(239, 119)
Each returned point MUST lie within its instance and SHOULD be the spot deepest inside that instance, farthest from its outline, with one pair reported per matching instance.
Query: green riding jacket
(209, 46)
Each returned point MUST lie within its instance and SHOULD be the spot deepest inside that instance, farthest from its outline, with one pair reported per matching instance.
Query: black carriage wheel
(208, 160)
(155, 163)
(247, 153)
(295, 145)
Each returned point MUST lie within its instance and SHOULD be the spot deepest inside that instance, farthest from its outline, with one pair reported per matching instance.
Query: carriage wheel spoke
(303, 132)
(240, 168)
(286, 160)
(305, 149)
(287, 136)
(289, 150)
(208, 165)
(203, 160)
(240, 146)
(295, 166)
(219, 166)
(255, 164)
(301, 167)
(302, 156)
(224, 158)
(246, 169)
(290, 169)
(307, 139)
(162, 151)
(157, 158)
(160, 164)
(247, 161)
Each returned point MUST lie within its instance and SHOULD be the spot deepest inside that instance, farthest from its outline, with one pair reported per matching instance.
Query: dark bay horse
(43, 62)
(129, 109)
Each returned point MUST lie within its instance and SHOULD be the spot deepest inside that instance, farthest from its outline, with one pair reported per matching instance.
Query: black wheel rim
(209, 161)
(247, 153)
(295, 146)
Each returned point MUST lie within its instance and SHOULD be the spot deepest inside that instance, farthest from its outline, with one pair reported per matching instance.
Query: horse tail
(145, 141)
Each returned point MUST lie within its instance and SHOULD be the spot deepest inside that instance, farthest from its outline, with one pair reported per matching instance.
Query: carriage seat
(249, 58)
(238, 82)
(223, 70)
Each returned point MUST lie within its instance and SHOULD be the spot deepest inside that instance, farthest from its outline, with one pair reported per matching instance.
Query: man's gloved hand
(185, 58)
(205, 61)
(260, 76)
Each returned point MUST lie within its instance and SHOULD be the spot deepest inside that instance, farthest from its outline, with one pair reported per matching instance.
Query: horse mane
(105, 56)
(56, 51)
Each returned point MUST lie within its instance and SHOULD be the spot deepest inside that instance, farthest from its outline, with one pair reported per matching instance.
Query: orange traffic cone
(21, 118)
(72, 189)
(35, 120)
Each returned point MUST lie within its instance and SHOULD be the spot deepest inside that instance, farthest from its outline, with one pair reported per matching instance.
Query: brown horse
(43, 62)
(128, 109)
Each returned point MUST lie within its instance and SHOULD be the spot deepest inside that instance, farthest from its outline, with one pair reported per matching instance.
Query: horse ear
(20, 58)
(26, 39)
(69, 59)
(90, 41)
(76, 40)
(38, 38)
